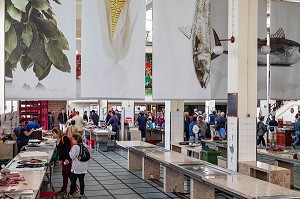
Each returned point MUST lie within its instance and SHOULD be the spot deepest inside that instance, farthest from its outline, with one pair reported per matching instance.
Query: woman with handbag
(63, 148)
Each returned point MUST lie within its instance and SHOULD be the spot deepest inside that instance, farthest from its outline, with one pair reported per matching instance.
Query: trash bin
(210, 155)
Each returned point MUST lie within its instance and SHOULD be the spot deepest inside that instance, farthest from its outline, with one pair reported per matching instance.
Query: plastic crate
(211, 155)
(91, 143)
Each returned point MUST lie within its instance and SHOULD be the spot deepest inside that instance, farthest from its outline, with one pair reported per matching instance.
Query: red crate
(284, 138)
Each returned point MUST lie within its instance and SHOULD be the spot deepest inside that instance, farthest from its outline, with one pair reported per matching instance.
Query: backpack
(271, 129)
(84, 154)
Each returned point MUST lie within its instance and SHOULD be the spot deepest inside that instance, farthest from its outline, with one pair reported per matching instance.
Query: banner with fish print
(40, 49)
(181, 49)
(285, 51)
(113, 49)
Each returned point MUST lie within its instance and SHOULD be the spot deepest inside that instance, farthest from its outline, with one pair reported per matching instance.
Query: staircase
(285, 111)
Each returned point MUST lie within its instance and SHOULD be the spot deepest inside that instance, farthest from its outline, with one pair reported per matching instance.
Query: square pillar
(173, 180)
(150, 168)
(134, 161)
(2, 53)
(173, 122)
(200, 190)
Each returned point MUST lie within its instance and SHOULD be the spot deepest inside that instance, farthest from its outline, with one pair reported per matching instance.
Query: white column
(2, 64)
(173, 122)
(242, 78)
(127, 112)
(102, 109)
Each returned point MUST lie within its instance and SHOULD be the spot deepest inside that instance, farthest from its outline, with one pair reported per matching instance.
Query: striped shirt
(77, 166)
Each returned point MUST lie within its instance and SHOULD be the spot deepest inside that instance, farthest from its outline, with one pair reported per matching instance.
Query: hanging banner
(285, 54)
(40, 49)
(113, 49)
(181, 49)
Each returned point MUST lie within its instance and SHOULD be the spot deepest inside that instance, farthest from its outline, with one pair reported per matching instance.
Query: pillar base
(151, 169)
(173, 180)
(134, 161)
(200, 190)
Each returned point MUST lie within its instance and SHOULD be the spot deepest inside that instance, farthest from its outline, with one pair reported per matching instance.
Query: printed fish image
(200, 35)
(284, 52)
(117, 21)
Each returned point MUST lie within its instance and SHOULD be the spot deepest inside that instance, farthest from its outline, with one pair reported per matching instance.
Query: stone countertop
(248, 187)
(263, 166)
(173, 157)
(197, 149)
(127, 144)
(284, 155)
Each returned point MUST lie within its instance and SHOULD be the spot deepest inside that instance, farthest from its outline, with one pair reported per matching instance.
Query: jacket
(261, 128)
(62, 118)
(63, 148)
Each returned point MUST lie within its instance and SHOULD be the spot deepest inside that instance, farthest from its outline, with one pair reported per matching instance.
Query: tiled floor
(108, 178)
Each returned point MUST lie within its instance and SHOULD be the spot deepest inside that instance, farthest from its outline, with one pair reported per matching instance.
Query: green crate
(4, 161)
(211, 155)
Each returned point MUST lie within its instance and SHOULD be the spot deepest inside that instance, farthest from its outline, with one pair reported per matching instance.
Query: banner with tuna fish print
(113, 49)
(40, 49)
(285, 51)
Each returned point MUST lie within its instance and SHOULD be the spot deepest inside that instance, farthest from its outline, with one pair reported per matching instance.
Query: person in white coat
(79, 168)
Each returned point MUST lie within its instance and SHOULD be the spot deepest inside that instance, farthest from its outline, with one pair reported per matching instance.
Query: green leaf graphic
(8, 70)
(27, 35)
(55, 54)
(20, 4)
(26, 62)
(36, 53)
(48, 28)
(57, 1)
(40, 4)
(14, 13)
(15, 56)
(40, 70)
(7, 25)
(66, 66)
(10, 40)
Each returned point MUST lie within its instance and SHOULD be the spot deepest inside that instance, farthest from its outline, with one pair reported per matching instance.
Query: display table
(205, 177)
(102, 138)
(33, 176)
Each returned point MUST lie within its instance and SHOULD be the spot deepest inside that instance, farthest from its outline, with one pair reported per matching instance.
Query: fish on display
(284, 52)
(200, 35)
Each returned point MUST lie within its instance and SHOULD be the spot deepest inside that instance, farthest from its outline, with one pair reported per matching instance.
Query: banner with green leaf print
(40, 49)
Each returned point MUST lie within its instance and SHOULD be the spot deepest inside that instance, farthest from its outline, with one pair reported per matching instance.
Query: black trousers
(73, 183)
(187, 135)
(261, 139)
(143, 132)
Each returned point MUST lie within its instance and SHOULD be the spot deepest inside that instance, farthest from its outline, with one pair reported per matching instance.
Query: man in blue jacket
(32, 125)
(142, 122)
(297, 133)
(191, 126)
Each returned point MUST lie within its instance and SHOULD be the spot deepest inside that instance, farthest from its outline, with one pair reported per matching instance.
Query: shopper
(191, 128)
(70, 130)
(85, 117)
(73, 113)
(273, 124)
(32, 125)
(50, 119)
(261, 130)
(95, 118)
(113, 121)
(63, 148)
(212, 121)
(108, 117)
(202, 127)
(21, 135)
(62, 119)
(186, 123)
(78, 122)
(79, 168)
(297, 133)
(221, 123)
(142, 122)
(160, 119)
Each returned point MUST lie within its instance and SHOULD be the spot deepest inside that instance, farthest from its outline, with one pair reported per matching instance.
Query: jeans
(66, 173)
(297, 133)
(62, 127)
(143, 132)
(73, 183)
(222, 132)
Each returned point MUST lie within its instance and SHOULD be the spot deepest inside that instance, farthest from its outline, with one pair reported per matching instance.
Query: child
(79, 168)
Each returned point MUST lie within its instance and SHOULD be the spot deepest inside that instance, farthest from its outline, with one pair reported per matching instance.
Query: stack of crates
(284, 138)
